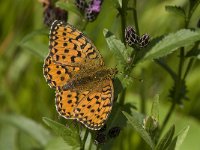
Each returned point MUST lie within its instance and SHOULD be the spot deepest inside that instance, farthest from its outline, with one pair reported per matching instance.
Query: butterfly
(75, 69)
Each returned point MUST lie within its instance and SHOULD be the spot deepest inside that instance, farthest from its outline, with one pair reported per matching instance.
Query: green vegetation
(162, 112)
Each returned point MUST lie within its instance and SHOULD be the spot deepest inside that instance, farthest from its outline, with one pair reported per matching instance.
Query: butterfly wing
(91, 106)
(70, 52)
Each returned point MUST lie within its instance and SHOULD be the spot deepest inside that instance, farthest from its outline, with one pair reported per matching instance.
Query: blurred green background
(24, 92)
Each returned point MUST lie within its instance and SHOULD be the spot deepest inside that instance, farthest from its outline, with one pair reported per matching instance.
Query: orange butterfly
(75, 68)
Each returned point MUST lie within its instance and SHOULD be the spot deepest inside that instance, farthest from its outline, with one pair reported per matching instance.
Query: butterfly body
(89, 78)
(75, 68)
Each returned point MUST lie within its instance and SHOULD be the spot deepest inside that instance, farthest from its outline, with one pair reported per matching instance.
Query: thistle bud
(100, 138)
(81, 4)
(144, 40)
(131, 37)
(114, 132)
(150, 124)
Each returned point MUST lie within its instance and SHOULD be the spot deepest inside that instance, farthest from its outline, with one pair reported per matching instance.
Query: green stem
(182, 58)
(122, 97)
(177, 88)
(84, 25)
(143, 98)
(91, 141)
(189, 66)
(135, 16)
(166, 67)
(84, 139)
(122, 12)
(167, 118)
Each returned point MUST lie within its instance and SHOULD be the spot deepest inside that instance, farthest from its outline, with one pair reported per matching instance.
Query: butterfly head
(112, 72)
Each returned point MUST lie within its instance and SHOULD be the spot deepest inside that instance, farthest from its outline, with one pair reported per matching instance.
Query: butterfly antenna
(135, 78)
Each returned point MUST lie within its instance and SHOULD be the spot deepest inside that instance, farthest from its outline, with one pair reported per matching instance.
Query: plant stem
(182, 58)
(91, 142)
(135, 16)
(84, 139)
(177, 88)
(122, 12)
(122, 97)
(166, 67)
(143, 97)
(167, 118)
(188, 67)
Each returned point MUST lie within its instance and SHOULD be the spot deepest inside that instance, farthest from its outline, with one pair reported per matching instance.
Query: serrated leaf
(137, 125)
(36, 131)
(172, 42)
(166, 140)
(176, 9)
(117, 47)
(68, 6)
(181, 137)
(70, 135)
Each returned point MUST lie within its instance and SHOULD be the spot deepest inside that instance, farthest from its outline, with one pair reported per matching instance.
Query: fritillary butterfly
(75, 69)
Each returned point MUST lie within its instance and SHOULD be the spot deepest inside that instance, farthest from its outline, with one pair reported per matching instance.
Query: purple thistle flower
(95, 5)
(93, 9)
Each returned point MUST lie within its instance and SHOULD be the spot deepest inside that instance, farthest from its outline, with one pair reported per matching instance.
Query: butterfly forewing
(71, 50)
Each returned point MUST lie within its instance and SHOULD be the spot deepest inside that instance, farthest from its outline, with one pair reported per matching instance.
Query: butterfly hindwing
(90, 107)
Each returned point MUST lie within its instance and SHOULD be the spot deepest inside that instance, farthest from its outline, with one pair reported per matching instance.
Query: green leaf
(32, 43)
(195, 51)
(181, 137)
(137, 125)
(116, 46)
(70, 135)
(193, 5)
(36, 131)
(58, 143)
(68, 6)
(172, 146)
(176, 9)
(33, 34)
(36, 48)
(172, 42)
(166, 140)
(8, 136)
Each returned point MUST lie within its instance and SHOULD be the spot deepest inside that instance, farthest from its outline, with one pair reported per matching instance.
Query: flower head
(91, 10)
(144, 40)
(52, 13)
(131, 37)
